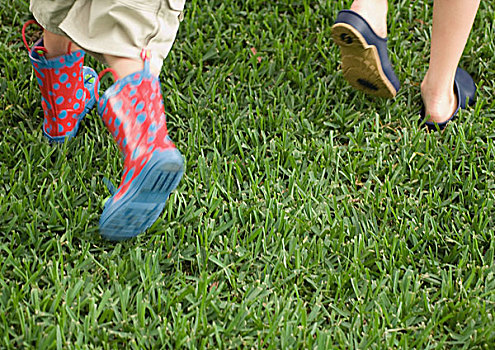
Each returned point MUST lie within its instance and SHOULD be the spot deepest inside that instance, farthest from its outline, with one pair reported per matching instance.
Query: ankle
(374, 12)
(57, 45)
(440, 101)
(124, 66)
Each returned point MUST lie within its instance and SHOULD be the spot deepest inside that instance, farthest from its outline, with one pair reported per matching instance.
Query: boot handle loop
(39, 49)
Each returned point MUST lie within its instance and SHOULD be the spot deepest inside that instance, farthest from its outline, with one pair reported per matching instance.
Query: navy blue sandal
(465, 91)
(365, 62)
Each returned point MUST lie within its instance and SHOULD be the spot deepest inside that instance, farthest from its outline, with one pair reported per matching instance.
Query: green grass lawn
(309, 216)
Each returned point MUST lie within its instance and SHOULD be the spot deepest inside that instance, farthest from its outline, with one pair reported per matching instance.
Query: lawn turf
(309, 216)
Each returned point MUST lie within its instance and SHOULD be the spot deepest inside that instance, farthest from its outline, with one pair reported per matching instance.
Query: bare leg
(57, 45)
(124, 66)
(452, 22)
(374, 12)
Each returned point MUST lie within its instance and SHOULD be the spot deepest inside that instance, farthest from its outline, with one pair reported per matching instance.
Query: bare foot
(440, 103)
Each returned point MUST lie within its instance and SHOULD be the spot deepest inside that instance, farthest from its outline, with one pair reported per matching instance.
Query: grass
(310, 215)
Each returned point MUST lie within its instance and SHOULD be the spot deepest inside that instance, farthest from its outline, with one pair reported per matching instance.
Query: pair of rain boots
(132, 110)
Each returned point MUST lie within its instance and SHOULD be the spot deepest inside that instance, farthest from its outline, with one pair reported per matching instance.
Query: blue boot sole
(144, 201)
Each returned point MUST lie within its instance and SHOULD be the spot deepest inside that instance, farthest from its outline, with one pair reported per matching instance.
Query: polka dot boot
(132, 110)
(68, 89)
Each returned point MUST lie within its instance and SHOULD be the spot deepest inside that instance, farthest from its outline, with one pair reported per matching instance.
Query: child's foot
(438, 105)
(132, 109)
(442, 106)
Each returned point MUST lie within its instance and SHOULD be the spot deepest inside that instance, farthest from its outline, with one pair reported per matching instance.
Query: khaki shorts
(114, 27)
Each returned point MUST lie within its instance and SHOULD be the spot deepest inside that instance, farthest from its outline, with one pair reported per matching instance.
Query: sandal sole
(361, 65)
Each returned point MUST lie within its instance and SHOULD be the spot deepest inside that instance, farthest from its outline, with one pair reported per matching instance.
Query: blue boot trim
(91, 83)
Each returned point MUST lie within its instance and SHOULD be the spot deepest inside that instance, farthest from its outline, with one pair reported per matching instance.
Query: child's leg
(124, 66)
(452, 22)
(132, 108)
(57, 45)
(374, 12)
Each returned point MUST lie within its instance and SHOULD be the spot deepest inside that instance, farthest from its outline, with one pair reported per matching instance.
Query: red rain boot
(132, 110)
(68, 89)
